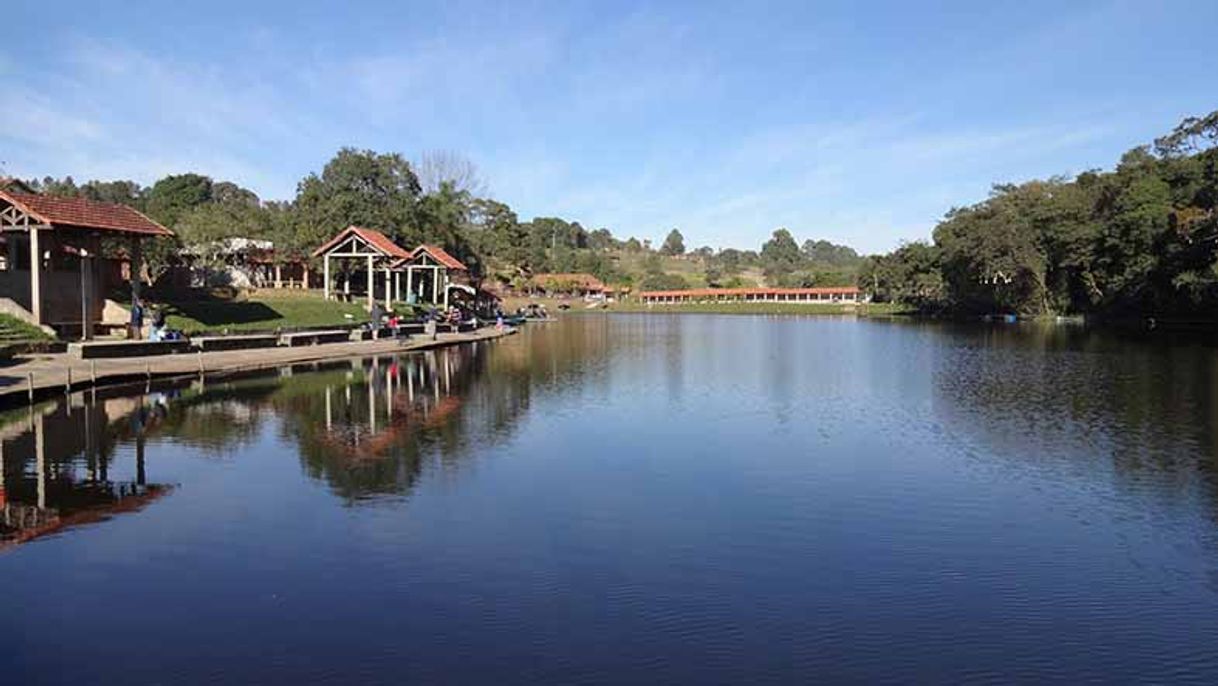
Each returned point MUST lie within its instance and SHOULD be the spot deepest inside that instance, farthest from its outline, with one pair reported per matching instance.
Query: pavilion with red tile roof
(49, 275)
(432, 265)
(369, 249)
(430, 270)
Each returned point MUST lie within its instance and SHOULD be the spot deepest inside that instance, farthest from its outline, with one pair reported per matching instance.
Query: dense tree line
(440, 201)
(1141, 239)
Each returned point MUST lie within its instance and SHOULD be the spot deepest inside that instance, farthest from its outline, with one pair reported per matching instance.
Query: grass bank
(866, 309)
(13, 330)
(260, 311)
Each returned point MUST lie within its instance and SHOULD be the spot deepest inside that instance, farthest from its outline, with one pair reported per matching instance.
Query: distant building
(811, 296)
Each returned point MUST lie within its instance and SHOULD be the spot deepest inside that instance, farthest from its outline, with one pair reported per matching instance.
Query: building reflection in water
(56, 463)
(368, 428)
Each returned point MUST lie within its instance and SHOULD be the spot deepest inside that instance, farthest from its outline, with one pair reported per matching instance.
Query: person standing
(136, 329)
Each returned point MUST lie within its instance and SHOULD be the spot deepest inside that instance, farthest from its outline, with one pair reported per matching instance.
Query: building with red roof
(49, 273)
(824, 295)
(362, 253)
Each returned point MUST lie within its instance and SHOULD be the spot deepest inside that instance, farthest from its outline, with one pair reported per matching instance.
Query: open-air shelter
(430, 268)
(368, 249)
(49, 273)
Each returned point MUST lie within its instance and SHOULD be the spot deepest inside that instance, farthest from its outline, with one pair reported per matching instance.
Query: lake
(632, 499)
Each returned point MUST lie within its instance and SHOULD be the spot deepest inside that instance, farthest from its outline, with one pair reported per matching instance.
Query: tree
(826, 254)
(360, 187)
(174, 195)
(780, 255)
(601, 239)
(437, 167)
(663, 282)
(674, 244)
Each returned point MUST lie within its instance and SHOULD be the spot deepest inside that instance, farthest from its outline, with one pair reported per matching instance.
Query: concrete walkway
(52, 372)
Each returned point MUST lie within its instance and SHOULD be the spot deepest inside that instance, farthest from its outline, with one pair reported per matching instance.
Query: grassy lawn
(262, 311)
(14, 330)
(866, 309)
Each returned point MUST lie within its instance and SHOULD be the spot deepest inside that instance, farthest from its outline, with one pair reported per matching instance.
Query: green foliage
(1142, 239)
(780, 255)
(824, 253)
(360, 187)
(663, 282)
(174, 195)
(14, 330)
(674, 243)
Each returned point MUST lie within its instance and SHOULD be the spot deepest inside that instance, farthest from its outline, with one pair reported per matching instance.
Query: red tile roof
(373, 237)
(83, 214)
(440, 255)
(713, 292)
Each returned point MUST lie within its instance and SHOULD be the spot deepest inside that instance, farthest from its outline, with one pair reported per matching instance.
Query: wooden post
(435, 285)
(137, 260)
(86, 287)
(369, 275)
(278, 275)
(325, 276)
(35, 277)
(409, 282)
(388, 290)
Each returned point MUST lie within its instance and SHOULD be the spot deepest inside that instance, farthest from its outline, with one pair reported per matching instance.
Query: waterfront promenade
(52, 372)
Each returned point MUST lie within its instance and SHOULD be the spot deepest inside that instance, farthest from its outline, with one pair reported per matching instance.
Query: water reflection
(754, 499)
(365, 427)
(56, 463)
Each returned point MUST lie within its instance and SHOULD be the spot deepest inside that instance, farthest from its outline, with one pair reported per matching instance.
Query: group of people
(454, 316)
(158, 331)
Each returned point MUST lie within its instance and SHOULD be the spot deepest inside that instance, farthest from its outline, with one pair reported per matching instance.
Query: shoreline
(59, 374)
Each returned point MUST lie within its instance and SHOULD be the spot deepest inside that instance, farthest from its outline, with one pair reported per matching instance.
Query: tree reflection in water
(366, 427)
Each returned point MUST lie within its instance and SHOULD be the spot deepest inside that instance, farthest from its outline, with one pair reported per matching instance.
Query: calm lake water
(632, 499)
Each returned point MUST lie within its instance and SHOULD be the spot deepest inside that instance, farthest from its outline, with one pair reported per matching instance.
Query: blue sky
(860, 122)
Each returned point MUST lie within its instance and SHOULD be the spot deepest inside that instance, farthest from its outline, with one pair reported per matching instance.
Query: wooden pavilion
(49, 273)
(370, 250)
(435, 267)
(430, 270)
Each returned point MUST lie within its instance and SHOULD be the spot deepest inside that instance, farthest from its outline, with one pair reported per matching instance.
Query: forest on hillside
(1140, 240)
(439, 200)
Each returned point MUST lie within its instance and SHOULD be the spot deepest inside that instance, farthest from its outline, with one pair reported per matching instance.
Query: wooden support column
(278, 275)
(35, 276)
(137, 266)
(325, 276)
(435, 285)
(369, 279)
(409, 282)
(388, 290)
(397, 286)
